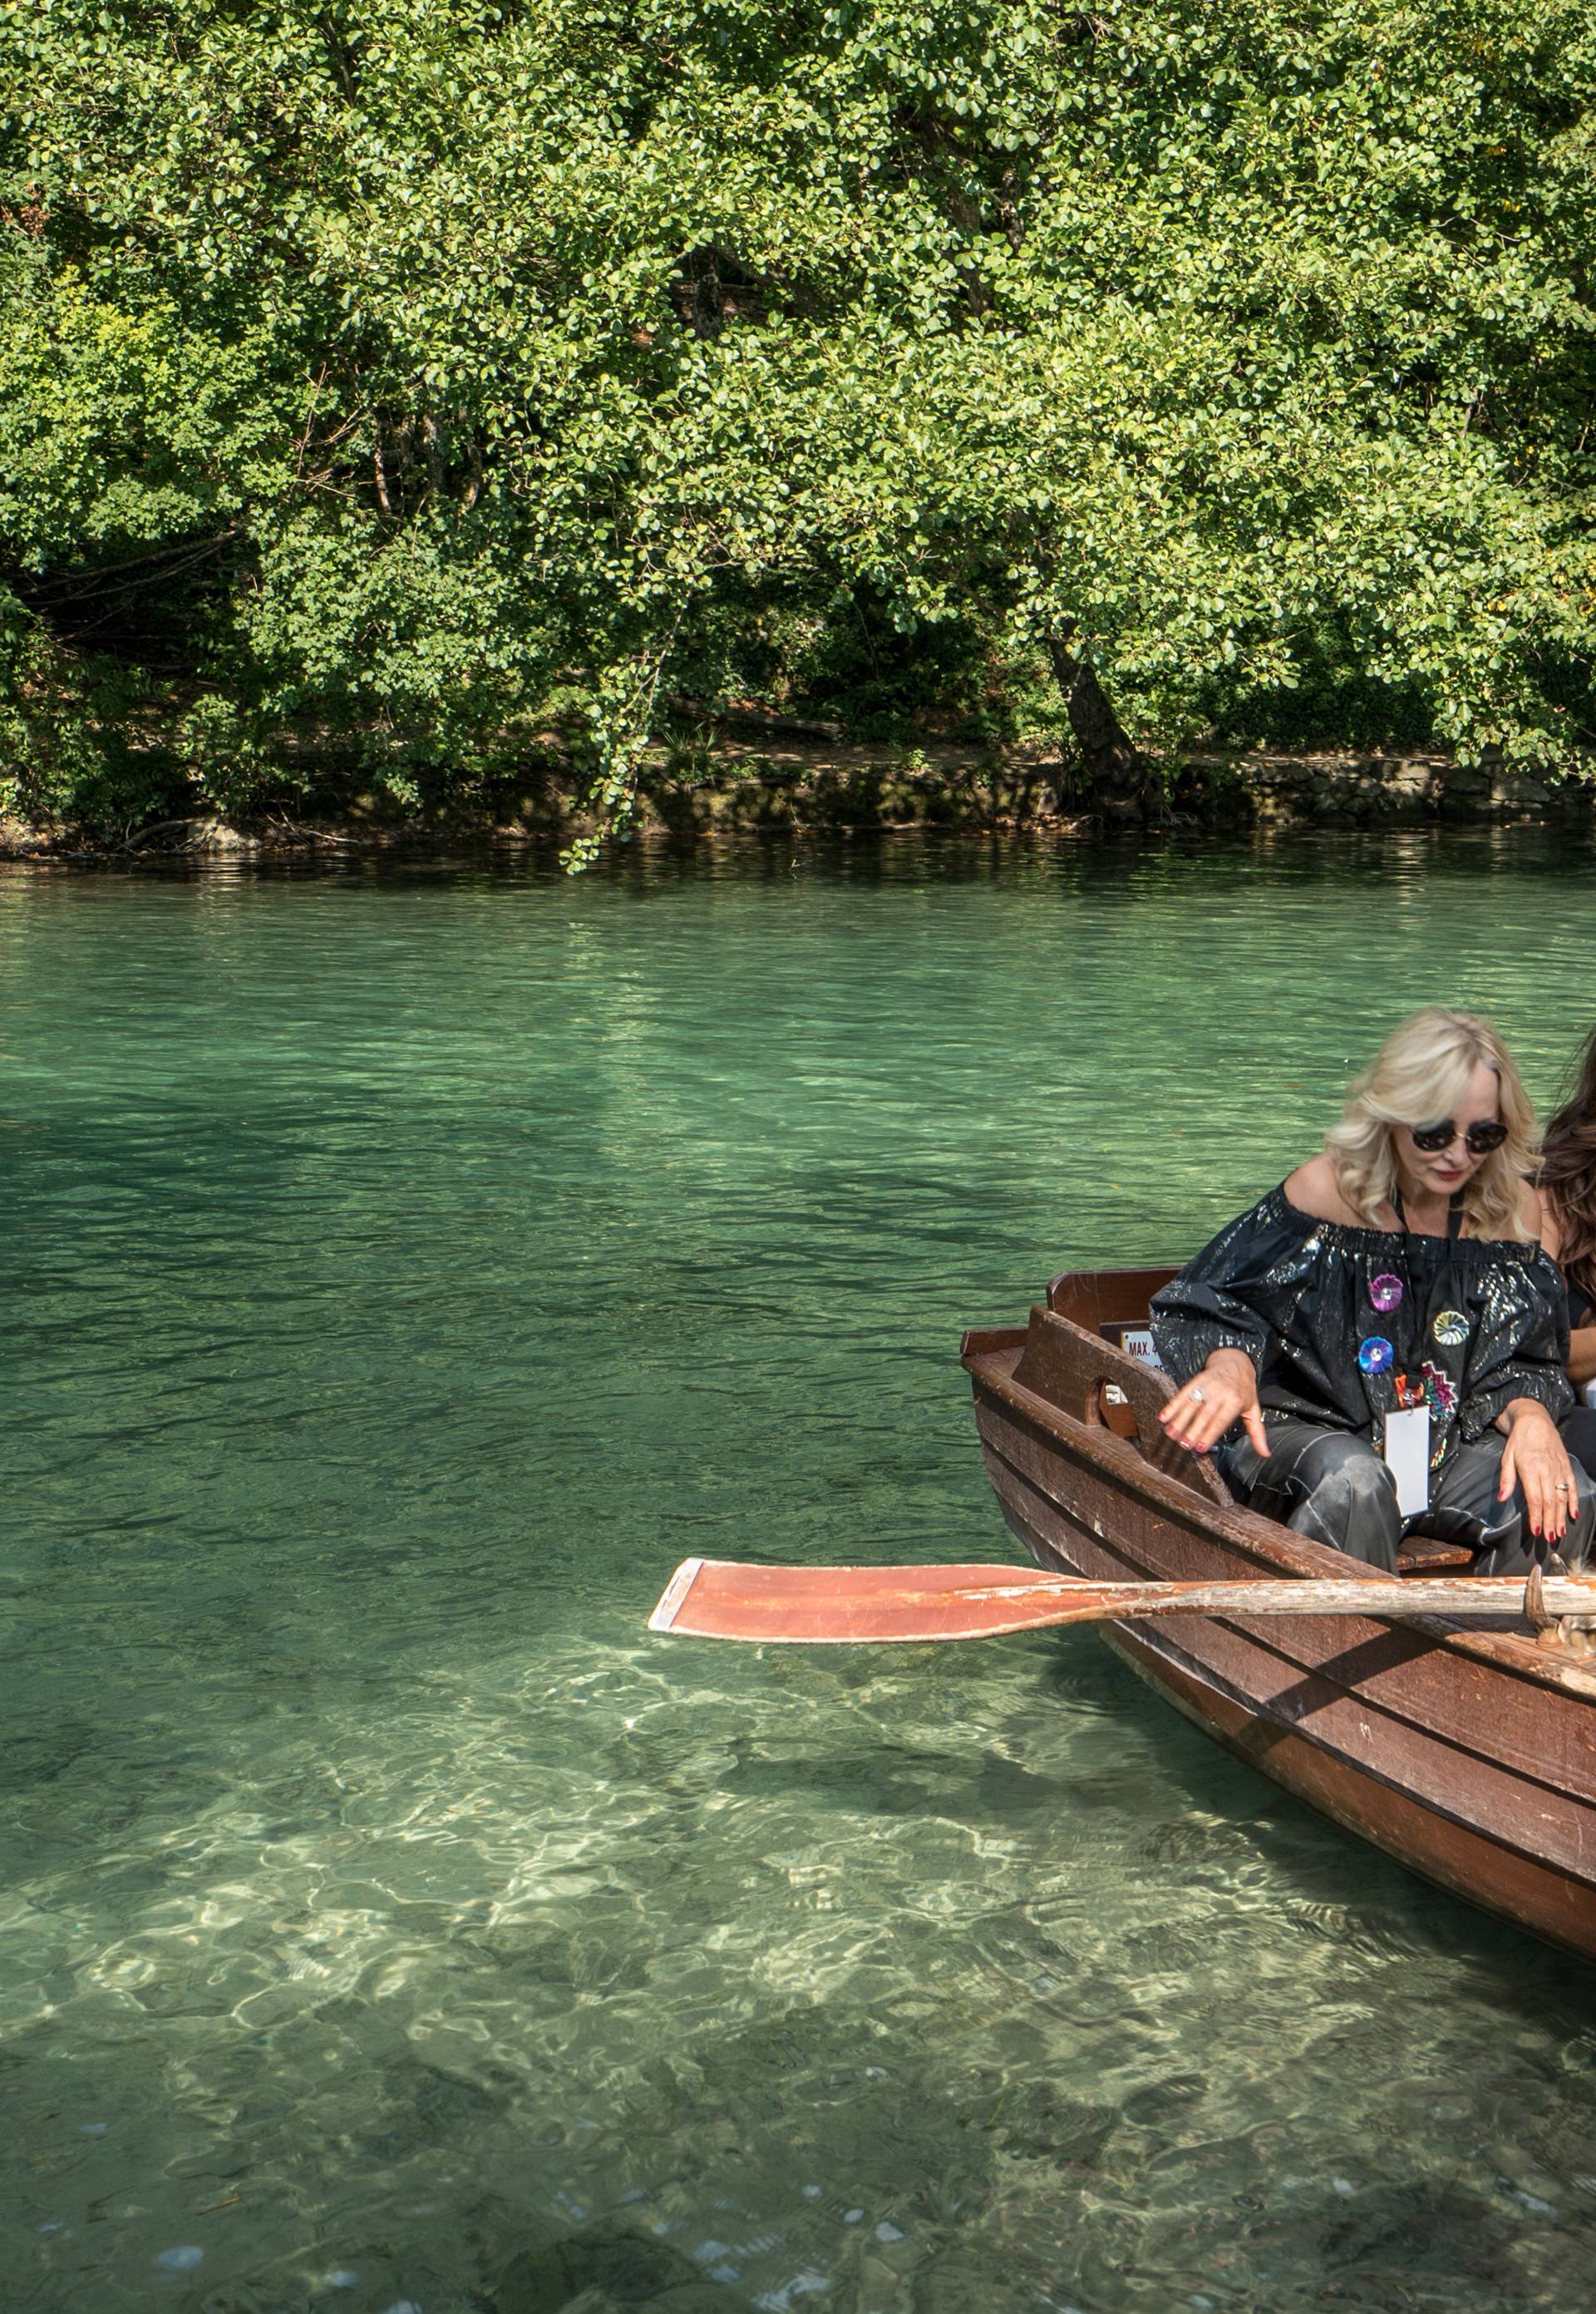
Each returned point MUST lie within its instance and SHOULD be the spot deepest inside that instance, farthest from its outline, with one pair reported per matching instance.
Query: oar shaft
(1418, 1595)
(1436, 1594)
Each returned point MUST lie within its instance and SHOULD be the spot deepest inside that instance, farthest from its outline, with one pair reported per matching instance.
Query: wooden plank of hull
(1478, 1768)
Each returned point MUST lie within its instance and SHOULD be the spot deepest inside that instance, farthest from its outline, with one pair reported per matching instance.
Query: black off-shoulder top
(1333, 1318)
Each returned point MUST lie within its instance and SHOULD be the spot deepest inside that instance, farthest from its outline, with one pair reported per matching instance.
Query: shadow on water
(1314, 1863)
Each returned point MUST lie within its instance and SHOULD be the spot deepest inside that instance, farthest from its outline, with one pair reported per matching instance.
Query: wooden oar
(718, 1599)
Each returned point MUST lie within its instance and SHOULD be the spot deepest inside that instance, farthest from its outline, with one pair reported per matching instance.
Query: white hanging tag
(1407, 1451)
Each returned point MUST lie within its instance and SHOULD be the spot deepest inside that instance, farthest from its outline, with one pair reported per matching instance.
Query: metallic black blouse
(1334, 1318)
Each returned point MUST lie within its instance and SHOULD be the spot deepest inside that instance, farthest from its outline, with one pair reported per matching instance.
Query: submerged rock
(592, 2273)
(694, 2298)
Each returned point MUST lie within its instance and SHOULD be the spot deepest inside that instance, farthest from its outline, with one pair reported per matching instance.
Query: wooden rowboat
(1467, 1754)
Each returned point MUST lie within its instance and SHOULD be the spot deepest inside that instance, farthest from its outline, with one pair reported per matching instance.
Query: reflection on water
(411, 1266)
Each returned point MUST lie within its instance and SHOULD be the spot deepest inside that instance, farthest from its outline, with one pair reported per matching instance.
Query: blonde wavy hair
(1418, 1077)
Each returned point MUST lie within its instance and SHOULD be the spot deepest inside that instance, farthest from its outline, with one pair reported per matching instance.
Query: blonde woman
(1383, 1336)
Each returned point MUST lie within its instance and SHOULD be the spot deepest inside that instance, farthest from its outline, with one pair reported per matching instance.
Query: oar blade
(842, 1606)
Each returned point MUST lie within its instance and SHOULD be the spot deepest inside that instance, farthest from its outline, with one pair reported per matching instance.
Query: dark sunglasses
(1479, 1140)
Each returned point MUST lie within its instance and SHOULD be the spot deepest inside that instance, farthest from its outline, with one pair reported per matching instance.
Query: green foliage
(377, 379)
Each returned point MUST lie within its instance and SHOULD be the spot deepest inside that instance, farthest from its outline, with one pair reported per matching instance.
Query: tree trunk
(1123, 787)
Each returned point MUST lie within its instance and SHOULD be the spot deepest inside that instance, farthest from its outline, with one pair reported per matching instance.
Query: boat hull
(1468, 1756)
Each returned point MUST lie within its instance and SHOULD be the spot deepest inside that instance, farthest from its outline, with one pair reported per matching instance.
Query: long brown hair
(1568, 1173)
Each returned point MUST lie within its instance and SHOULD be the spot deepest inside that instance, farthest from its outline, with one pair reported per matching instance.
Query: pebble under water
(411, 1265)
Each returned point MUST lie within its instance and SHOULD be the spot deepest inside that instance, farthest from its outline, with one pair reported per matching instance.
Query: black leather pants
(1332, 1486)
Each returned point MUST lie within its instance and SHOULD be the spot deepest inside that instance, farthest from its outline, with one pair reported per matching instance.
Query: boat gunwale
(1121, 1464)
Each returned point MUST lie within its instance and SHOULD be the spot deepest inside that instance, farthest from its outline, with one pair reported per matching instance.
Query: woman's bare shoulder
(1538, 1218)
(1315, 1188)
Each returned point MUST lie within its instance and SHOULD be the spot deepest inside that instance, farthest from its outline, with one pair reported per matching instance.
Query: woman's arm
(1518, 1347)
(1535, 1456)
(1582, 1341)
(1213, 1324)
(1545, 1226)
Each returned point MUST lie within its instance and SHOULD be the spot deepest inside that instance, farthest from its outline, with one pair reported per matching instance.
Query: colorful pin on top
(1376, 1356)
(1451, 1328)
(1384, 1292)
(1439, 1390)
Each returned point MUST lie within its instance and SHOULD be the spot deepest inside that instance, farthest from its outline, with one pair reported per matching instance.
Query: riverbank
(775, 778)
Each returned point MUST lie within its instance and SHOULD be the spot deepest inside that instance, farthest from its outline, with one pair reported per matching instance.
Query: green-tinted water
(409, 1268)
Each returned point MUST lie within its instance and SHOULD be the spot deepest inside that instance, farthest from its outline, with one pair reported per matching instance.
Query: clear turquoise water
(408, 1268)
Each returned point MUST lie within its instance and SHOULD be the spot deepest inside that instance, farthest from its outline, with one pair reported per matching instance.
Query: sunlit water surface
(409, 1266)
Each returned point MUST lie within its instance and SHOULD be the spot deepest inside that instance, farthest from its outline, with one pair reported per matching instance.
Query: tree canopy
(398, 378)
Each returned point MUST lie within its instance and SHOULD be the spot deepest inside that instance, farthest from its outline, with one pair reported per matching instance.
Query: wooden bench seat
(1421, 1554)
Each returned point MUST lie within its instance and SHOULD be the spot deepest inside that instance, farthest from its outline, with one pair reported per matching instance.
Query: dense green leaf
(398, 379)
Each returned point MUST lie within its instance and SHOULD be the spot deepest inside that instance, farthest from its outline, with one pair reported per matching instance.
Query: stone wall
(791, 782)
(803, 785)
(1360, 789)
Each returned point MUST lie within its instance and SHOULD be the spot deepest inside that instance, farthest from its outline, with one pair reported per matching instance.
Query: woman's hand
(1225, 1392)
(1536, 1459)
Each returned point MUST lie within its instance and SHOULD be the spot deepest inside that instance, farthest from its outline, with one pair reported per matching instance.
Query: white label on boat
(1138, 1342)
(1406, 1451)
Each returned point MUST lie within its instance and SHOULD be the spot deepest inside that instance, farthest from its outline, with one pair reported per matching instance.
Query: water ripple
(413, 1266)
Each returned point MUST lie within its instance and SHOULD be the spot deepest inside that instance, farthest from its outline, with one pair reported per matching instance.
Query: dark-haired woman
(1568, 1202)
